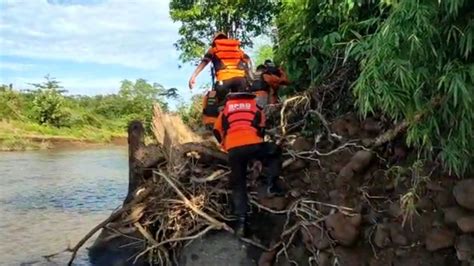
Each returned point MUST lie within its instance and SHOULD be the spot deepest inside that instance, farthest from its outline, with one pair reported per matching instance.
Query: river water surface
(50, 199)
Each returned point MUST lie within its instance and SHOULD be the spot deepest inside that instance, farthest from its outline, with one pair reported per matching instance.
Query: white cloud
(136, 33)
(15, 66)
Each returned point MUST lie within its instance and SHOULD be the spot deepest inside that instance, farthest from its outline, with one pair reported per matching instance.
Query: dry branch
(111, 218)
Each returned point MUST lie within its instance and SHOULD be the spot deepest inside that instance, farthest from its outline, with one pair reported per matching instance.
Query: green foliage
(417, 55)
(46, 111)
(264, 52)
(242, 19)
(10, 101)
(48, 103)
(410, 53)
(314, 35)
(192, 114)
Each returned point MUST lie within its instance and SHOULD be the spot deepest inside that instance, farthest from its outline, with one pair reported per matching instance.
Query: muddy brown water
(49, 199)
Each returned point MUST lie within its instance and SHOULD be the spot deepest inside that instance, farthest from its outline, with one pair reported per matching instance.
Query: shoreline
(38, 142)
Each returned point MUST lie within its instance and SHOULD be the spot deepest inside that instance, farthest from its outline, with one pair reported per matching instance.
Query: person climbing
(267, 81)
(276, 77)
(240, 129)
(260, 87)
(230, 64)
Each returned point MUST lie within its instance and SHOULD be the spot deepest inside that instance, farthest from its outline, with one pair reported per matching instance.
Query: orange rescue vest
(241, 115)
(229, 59)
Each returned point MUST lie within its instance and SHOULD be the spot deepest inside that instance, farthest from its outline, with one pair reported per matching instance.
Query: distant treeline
(47, 104)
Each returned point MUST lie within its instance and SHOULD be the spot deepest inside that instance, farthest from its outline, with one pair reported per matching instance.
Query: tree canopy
(200, 20)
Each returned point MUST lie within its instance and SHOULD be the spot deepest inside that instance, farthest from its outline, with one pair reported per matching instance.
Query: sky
(91, 45)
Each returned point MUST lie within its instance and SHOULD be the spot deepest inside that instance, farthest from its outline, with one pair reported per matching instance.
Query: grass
(18, 135)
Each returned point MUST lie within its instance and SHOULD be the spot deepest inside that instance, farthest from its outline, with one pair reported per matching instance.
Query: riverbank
(21, 136)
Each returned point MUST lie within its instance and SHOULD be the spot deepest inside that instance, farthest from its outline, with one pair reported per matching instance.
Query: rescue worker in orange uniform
(230, 65)
(240, 129)
(266, 83)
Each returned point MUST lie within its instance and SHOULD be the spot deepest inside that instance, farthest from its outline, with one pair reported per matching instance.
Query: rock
(384, 257)
(452, 214)
(215, 249)
(297, 165)
(275, 203)
(371, 126)
(352, 130)
(345, 176)
(337, 196)
(315, 238)
(295, 193)
(302, 144)
(323, 259)
(382, 236)
(439, 238)
(465, 248)
(266, 258)
(339, 126)
(425, 204)
(394, 210)
(444, 199)
(463, 192)
(433, 186)
(361, 160)
(397, 236)
(343, 228)
(466, 224)
(348, 257)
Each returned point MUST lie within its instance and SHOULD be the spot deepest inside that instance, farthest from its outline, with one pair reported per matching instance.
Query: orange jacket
(228, 59)
(240, 123)
(275, 82)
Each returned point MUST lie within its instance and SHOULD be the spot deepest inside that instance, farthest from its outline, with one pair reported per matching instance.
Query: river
(50, 199)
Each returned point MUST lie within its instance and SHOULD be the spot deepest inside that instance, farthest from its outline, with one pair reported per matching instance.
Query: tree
(136, 99)
(242, 19)
(264, 52)
(48, 103)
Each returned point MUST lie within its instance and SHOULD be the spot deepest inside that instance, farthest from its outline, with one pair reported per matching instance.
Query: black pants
(237, 84)
(270, 156)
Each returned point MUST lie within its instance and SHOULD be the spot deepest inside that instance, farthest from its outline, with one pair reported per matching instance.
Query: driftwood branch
(111, 218)
(207, 153)
(216, 224)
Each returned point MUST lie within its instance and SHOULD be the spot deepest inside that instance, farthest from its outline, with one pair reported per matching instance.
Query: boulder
(349, 257)
(444, 199)
(215, 249)
(297, 165)
(452, 214)
(465, 248)
(466, 224)
(371, 126)
(344, 229)
(394, 209)
(302, 144)
(382, 236)
(463, 192)
(315, 238)
(439, 238)
(397, 236)
(266, 258)
(361, 160)
(345, 176)
(275, 203)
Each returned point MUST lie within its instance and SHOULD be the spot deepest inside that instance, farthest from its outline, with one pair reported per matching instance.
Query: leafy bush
(411, 53)
(48, 103)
